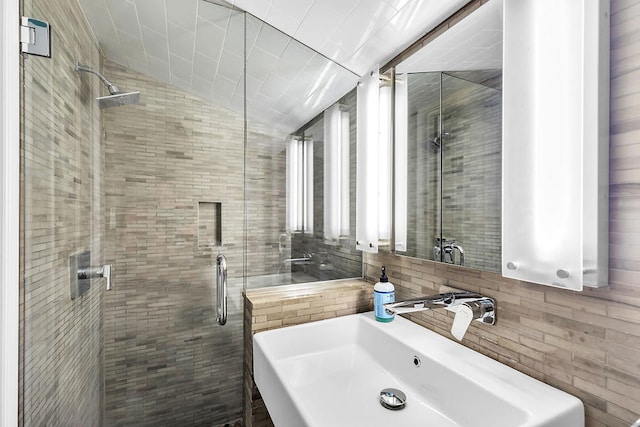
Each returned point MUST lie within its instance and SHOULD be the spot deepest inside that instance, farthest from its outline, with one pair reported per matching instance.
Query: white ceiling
(475, 43)
(197, 45)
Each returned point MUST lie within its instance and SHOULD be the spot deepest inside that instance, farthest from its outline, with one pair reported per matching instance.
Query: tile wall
(61, 343)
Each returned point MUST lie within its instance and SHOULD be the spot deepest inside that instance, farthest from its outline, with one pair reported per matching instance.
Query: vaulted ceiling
(301, 55)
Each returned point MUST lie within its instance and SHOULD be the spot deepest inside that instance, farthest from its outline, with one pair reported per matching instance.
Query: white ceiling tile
(300, 87)
(272, 40)
(133, 47)
(253, 85)
(256, 8)
(399, 4)
(202, 87)
(460, 43)
(319, 24)
(363, 55)
(316, 65)
(215, 14)
(237, 103)
(230, 66)
(159, 69)
(183, 13)
(182, 84)
(344, 6)
(204, 67)
(400, 25)
(155, 44)
(124, 16)
(273, 87)
(223, 88)
(261, 103)
(253, 29)
(293, 60)
(181, 41)
(180, 68)
(260, 63)
(346, 40)
(209, 39)
(99, 18)
(288, 14)
(113, 51)
(152, 14)
(234, 37)
(139, 66)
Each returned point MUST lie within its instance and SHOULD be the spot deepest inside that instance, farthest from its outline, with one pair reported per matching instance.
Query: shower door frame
(9, 214)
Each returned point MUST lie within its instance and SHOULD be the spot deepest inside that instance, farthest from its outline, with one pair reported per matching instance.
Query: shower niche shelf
(209, 224)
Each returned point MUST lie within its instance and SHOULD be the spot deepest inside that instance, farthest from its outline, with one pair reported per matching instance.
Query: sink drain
(392, 398)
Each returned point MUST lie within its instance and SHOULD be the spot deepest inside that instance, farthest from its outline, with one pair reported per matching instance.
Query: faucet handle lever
(461, 321)
(483, 310)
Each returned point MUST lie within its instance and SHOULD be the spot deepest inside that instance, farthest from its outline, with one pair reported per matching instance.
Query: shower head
(116, 97)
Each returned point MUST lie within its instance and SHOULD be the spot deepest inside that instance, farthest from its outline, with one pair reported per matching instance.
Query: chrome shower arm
(113, 89)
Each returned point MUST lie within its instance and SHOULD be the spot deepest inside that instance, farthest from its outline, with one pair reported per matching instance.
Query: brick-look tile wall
(61, 351)
(588, 343)
(265, 188)
(167, 362)
(276, 307)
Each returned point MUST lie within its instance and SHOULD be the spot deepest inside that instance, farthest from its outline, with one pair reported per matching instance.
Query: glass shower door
(174, 168)
(62, 201)
(155, 190)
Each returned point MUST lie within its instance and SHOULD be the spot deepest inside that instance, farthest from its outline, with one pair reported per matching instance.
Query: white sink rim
(547, 406)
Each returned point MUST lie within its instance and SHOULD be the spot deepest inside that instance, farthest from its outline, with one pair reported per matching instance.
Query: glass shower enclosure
(153, 192)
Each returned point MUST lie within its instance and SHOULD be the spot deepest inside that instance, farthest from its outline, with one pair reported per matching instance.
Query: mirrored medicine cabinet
(501, 143)
(452, 138)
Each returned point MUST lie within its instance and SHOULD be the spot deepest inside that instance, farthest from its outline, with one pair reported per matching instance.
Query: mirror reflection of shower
(438, 137)
(116, 97)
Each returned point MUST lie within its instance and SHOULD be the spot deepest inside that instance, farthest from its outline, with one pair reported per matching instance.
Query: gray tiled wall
(167, 362)
(61, 355)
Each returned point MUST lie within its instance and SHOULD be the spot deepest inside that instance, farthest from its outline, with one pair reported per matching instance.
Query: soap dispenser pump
(383, 293)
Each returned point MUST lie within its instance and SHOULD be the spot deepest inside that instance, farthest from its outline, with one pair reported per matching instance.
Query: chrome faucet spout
(468, 306)
(432, 302)
(461, 251)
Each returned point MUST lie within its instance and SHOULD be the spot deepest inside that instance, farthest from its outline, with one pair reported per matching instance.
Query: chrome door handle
(221, 288)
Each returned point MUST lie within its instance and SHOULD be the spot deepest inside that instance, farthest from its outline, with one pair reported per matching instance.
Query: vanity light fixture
(400, 158)
(556, 142)
(299, 185)
(373, 193)
(336, 173)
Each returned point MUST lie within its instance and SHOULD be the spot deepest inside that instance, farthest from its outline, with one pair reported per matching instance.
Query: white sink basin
(330, 373)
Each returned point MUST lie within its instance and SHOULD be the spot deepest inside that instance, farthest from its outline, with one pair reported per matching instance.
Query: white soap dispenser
(383, 293)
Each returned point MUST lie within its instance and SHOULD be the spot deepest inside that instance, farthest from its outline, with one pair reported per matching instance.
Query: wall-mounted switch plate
(79, 261)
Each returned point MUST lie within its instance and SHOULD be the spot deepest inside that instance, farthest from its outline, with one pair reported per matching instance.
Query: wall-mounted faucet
(96, 273)
(468, 306)
(81, 272)
(445, 250)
